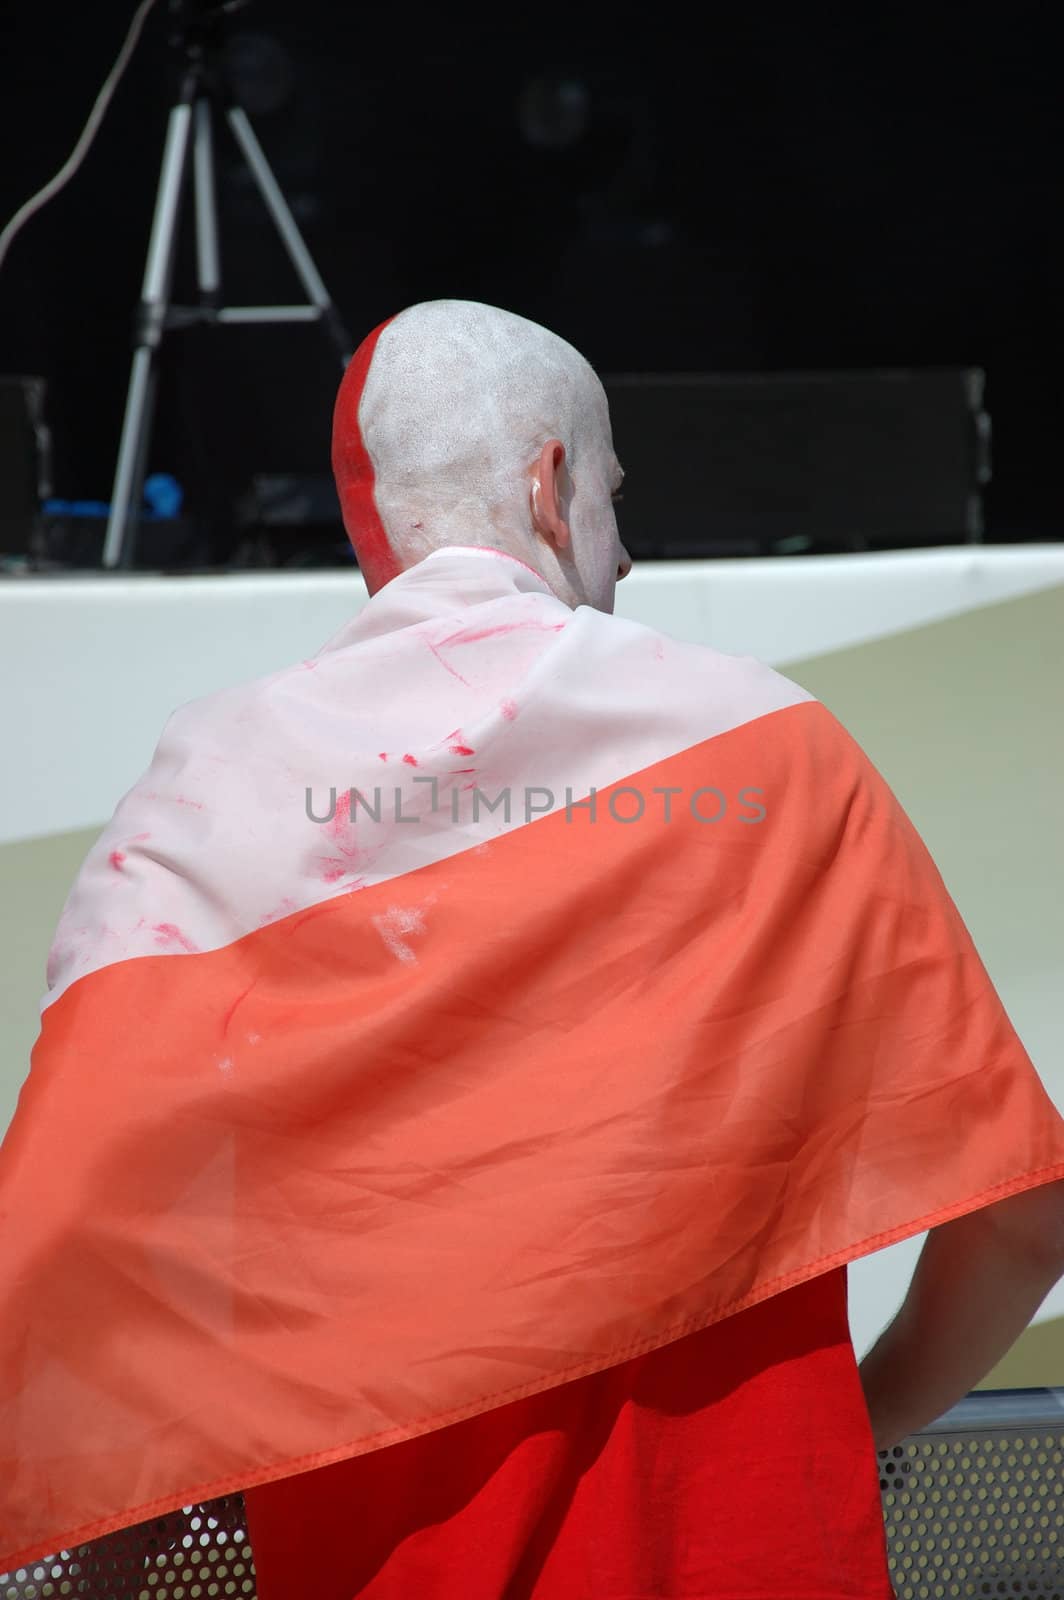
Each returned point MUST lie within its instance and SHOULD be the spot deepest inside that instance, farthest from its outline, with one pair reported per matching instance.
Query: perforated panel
(199, 1553)
(974, 1506)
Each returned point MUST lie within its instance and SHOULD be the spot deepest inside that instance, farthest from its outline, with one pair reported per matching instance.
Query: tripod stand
(202, 90)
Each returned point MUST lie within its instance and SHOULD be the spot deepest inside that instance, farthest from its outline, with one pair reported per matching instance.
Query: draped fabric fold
(339, 1131)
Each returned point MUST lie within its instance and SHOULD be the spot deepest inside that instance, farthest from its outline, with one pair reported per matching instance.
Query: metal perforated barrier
(973, 1507)
(199, 1553)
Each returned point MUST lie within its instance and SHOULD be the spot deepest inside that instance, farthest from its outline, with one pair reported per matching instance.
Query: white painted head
(461, 424)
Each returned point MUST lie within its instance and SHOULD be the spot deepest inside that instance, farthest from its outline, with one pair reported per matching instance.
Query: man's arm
(977, 1284)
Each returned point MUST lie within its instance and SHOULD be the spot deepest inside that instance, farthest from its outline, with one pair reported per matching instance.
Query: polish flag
(504, 992)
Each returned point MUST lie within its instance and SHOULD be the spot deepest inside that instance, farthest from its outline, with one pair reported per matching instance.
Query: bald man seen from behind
(555, 1009)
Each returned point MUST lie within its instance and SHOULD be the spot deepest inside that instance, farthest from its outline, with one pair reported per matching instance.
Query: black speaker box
(762, 463)
(25, 462)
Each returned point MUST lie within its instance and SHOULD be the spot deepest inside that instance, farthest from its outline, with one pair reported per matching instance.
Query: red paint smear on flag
(471, 635)
(170, 933)
(446, 665)
(340, 820)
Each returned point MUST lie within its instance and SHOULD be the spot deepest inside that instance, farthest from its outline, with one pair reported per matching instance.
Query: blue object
(163, 494)
(163, 498)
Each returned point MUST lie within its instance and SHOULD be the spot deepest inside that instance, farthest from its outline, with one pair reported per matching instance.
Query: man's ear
(550, 495)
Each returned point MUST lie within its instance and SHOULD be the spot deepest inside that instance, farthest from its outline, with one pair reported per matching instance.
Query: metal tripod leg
(151, 316)
(208, 256)
(288, 229)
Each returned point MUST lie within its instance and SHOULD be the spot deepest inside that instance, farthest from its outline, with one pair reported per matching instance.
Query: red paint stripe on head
(354, 475)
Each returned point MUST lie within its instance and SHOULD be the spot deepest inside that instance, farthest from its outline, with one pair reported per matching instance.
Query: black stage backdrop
(866, 188)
